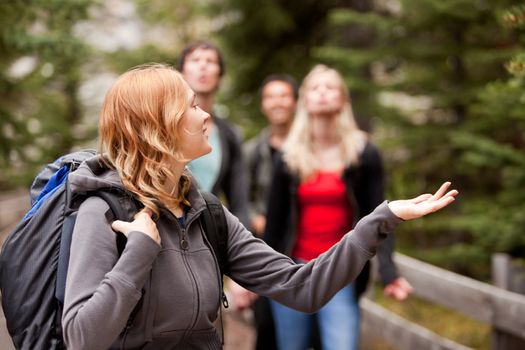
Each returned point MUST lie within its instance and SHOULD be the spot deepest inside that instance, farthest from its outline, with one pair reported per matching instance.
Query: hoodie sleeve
(306, 287)
(369, 195)
(102, 289)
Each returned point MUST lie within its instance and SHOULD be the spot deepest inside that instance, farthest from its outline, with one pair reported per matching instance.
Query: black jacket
(232, 180)
(365, 190)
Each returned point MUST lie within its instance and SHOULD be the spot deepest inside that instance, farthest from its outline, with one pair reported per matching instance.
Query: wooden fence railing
(503, 310)
(378, 322)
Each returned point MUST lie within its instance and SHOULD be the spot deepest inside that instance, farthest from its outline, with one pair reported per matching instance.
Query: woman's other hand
(424, 204)
(242, 298)
(399, 289)
(142, 222)
(258, 225)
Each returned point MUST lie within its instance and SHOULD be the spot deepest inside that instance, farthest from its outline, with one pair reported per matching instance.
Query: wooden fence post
(511, 277)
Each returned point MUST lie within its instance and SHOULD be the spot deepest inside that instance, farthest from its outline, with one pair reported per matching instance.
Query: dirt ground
(239, 333)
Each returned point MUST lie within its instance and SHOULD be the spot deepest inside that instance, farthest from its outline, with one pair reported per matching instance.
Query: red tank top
(325, 215)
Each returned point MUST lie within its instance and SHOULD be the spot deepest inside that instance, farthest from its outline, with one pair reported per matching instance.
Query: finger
(401, 294)
(407, 289)
(144, 212)
(405, 285)
(147, 211)
(441, 203)
(119, 226)
(452, 193)
(442, 190)
(421, 198)
(395, 292)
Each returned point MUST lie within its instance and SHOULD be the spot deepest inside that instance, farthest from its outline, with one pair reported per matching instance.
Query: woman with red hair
(150, 128)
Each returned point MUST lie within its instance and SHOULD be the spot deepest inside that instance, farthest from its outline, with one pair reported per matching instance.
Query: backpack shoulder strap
(122, 206)
(216, 228)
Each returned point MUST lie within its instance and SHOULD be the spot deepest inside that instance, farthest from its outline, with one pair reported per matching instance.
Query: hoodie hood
(93, 175)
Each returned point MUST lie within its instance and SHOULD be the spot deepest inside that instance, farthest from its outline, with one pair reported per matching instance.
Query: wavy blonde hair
(138, 130)
(298, 149)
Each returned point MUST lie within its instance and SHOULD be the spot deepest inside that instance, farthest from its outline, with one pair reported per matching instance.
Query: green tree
(40, 73)
(169, 26)
(430, 76)
(492, 143)
(273, 36)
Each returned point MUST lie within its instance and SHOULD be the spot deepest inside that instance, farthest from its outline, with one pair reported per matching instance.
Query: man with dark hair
(203, 45)
(221, 171)
(278, 99)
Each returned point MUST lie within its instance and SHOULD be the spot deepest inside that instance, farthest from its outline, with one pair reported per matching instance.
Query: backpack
(35, 256)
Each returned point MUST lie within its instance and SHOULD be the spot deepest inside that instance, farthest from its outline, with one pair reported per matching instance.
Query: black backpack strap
(122, 206)
(216, 229)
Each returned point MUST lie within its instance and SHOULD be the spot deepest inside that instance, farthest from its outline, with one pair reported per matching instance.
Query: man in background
(278, 101)
(221, 171)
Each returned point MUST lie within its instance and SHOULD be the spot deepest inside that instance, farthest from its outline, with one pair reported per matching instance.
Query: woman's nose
(202, 64)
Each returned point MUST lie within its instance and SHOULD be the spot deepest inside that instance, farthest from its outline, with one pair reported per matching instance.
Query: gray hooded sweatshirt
(178, 289)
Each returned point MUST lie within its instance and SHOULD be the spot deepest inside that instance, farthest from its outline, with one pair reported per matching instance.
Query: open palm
(408, 209)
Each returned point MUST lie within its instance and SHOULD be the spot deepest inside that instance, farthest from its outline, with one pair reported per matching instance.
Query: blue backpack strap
(53, 184)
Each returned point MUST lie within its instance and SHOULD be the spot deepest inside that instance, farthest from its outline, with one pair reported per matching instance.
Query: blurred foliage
(40, 73)
(274, 36)
(45, 57)
(173, 24)
(433, 80)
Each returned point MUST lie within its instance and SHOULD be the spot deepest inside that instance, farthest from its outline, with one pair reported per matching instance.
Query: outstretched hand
(424, 204)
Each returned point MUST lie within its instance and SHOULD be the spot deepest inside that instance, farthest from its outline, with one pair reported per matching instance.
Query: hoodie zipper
(185, 245)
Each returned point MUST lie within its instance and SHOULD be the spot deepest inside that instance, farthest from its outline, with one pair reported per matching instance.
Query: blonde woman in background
(330, 176)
